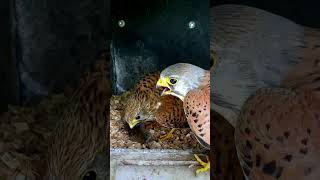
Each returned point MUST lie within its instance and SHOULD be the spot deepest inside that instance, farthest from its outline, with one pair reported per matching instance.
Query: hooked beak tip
(159, 84)
(133, 123)
(162, 83)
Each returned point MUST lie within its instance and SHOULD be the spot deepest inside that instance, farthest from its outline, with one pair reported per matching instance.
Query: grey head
(178, 79)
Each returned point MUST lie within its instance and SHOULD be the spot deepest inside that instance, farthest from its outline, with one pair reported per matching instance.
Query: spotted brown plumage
(146, 103)
(197, 109)
(274, 139)
(81, 132)
(277, 136)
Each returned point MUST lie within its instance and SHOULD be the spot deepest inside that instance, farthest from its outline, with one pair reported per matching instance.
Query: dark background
(8, 72)
(156, 35)
(162, 25)
(47, 45)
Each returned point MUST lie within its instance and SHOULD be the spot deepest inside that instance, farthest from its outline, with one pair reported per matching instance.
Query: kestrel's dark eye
(90, 175)
(137, 117)
(173, 81)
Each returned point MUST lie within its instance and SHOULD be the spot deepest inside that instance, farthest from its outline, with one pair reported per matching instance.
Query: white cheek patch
(182, 90)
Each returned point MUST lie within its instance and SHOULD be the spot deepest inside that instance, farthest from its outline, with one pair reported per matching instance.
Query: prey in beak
(162, 82)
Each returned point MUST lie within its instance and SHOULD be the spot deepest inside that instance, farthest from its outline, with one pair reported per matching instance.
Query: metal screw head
(121, 23)
(192, 24)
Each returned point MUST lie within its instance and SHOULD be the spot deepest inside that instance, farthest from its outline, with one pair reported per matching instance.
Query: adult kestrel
(146, 104)
(268, 90)
(192, 85)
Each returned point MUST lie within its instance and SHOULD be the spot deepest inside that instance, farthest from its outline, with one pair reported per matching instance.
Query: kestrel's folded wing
(197, 109)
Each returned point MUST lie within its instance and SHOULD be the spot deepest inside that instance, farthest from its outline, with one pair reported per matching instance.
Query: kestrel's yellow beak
(133, 123)
(162, 82)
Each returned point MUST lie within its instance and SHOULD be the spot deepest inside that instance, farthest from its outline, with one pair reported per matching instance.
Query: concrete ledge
(154, 164)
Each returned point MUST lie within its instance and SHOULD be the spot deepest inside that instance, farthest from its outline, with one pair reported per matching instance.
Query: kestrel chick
(145, 103)
(81, 132)
(192, 85)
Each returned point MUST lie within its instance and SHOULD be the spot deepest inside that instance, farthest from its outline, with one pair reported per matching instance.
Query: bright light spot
(121, 23)
(192, 24)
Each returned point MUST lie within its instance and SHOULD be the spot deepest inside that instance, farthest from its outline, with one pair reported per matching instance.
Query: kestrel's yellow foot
(169, 135)
(206, 166)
